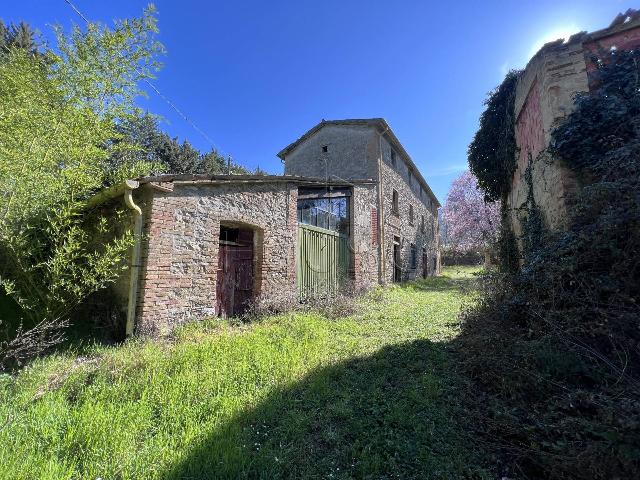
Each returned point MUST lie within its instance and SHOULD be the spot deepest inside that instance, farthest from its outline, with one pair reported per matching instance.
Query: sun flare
(562, 32)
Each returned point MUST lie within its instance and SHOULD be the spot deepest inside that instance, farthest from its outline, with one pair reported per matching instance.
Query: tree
(58, 117)
(470, 223)
(151, 144)
(19, 36)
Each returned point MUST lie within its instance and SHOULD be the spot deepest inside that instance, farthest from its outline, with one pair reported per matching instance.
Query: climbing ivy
(555, 345)
(492, 153)
(600, 138)
(533, 226)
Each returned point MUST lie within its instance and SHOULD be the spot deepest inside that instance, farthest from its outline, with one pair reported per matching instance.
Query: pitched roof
(233, 178)
(117, 190)
(378, 123)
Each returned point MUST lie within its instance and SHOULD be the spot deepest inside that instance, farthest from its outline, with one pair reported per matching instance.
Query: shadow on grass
(443, 283)
(388, 415)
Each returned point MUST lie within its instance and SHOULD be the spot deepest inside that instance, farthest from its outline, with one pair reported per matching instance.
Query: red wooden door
(234, 283)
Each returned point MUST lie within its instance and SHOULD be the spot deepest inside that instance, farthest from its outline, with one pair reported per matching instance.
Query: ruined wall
(180, 256)
(544, 98)
(621, 36)
(350, 153)
(410, 192)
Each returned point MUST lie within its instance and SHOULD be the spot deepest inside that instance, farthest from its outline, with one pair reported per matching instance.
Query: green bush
(57, 129)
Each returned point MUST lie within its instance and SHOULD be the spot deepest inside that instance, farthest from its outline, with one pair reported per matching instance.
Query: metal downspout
(135, 256)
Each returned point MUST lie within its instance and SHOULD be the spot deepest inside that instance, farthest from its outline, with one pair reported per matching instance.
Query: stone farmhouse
(544, 98)
(351, 211)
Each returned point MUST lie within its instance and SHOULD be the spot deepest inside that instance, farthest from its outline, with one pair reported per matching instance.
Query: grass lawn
(374, 395)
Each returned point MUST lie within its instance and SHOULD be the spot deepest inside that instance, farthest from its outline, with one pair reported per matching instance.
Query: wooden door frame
(258, 254)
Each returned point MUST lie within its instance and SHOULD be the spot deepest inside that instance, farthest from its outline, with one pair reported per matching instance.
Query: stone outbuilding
(350, 212)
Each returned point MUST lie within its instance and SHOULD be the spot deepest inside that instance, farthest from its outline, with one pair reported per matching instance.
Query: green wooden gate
(322, 260)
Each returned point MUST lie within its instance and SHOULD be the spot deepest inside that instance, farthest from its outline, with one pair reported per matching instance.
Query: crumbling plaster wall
(350, 154)
(544, 98)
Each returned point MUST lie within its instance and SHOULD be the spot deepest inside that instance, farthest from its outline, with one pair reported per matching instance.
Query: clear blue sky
(255, 75)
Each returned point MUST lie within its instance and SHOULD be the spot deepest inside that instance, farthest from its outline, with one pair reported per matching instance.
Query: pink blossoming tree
(469, 223)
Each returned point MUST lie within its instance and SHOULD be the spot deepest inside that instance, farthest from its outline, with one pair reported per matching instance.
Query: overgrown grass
(374, 395)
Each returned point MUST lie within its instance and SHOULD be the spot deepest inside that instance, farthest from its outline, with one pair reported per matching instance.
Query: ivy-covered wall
(511, 154)
(543, 99)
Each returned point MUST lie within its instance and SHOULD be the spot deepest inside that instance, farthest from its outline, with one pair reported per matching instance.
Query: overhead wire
(168, 101)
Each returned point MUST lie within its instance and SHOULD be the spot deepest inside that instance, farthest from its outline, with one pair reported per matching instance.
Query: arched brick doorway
(238, 272)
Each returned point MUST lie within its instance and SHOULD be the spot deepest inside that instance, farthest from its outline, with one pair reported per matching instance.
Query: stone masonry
(422, 232)
(186, 262)
(544, 98)
(362, 148)
(180, 256)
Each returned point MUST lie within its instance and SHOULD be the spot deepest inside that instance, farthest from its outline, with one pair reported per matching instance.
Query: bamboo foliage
(58, 117)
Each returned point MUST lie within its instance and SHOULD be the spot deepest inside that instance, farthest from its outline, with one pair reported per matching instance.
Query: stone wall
(353, 153)
(180, 255)
(544, 98)
(350, 153)
(410, 193)
(364, 244)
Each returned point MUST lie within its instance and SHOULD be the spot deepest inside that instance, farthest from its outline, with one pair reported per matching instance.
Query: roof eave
(383, 128)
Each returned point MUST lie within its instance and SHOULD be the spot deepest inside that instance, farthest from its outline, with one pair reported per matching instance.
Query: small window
(325, 148)
(395, 208)
(422, 224)
(410, 214)
(393, 157)
(414, 256)
(421, 191)
(410, 177)
(229, 234)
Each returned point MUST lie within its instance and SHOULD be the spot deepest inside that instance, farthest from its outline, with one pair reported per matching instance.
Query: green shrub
(57, 131)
